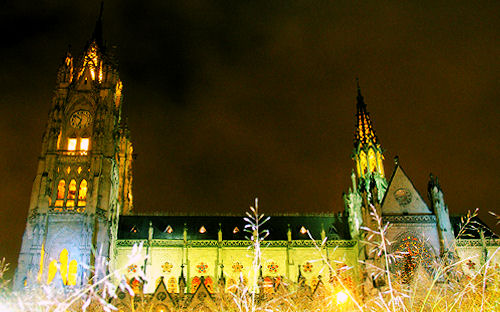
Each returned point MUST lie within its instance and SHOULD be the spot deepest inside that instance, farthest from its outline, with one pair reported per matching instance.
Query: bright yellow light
(52, 271)
(71, 144)
(72, 271)
(303, 230)
(84, 144)
(342, 297)
(82, 193)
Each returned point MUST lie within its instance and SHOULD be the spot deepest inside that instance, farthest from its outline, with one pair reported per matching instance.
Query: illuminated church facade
(81, 207)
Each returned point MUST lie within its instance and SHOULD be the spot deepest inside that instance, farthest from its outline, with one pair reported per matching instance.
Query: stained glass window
(61, 189)
(413, 253)
(82, 193)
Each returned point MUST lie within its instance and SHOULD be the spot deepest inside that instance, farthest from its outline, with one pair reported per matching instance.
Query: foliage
(446, 288)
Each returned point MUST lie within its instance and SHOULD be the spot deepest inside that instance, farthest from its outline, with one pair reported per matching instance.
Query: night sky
(232, 100)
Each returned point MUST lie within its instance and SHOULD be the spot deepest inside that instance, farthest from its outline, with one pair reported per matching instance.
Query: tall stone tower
(367, 191)
(368, 179)
(84, 177)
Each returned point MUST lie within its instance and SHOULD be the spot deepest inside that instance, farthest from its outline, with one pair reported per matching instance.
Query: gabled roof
(162, 296)
(470, 230)
(401, 196)
(172, 227)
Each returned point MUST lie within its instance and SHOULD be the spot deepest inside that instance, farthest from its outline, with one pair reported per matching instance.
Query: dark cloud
(228, 101)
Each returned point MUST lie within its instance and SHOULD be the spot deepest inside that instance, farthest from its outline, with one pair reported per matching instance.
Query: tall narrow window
(84, 144)
(71, 144)
(380, 157)
(363, 163)
(72, 270)
(71, 194)
(63, 268)
(82, 193)
(52, 271)
(61, 189)
(372, 160)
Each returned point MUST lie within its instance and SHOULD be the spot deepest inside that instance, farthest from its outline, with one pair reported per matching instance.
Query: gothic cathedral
(84, 177)
(81, 206)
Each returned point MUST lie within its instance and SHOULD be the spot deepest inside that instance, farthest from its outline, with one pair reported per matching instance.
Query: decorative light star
(273, 267)
(237, 267)
(202, 267)
(307, 267)
(167, 267)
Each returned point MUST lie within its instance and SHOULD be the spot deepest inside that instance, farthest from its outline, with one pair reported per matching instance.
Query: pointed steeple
(364, 133)
(368, 153)
(97, 34)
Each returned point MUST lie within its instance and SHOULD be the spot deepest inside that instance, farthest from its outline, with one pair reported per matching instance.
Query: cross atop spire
(364, 132)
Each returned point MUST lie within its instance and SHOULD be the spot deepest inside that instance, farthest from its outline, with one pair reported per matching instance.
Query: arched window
(72, 270)
(380, 157)
(372, 160)
(71, 194)
(195, 282)
(52, 271)
(82, 193)
(72, 144)
(172, 285)
(63, 268)
(268, 285)
(209, 283)
(363, 163)
(84, 144)
(68, 270)
(61, 190)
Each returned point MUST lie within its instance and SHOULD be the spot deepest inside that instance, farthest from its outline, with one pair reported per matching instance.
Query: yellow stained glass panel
(52, 271)
(82, 193)
(72, 272)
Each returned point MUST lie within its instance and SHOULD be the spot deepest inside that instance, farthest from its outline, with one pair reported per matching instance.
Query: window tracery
(414, 253)
(70, 202)
(82, 193)
(61, 190)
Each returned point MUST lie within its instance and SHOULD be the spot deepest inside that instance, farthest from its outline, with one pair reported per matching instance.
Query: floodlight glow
(342, 297)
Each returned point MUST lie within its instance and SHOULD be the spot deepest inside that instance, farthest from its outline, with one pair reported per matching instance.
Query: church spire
(97, 33)
(367, 150)
(364, 133)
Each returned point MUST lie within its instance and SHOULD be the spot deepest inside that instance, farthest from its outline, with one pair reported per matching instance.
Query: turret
(440, 209)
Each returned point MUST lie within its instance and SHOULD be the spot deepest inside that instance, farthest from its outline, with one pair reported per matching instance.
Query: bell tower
(368, 178)
(368, 189)
(367, 153)
(84, 177)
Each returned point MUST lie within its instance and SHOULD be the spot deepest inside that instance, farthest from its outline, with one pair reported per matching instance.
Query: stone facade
(82, 201)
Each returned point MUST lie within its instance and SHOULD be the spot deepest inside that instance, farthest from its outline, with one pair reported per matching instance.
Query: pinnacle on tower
(97, 33)
(368, 153)
(364, 133)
